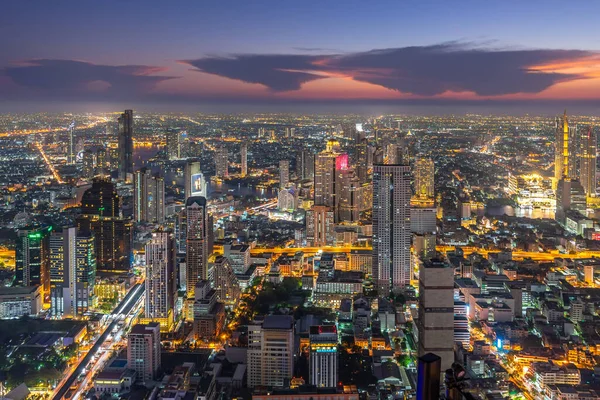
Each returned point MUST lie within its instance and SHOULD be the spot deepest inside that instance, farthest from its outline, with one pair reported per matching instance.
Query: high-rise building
(305, 165)
(284, 173)
(208, 312)
(244, 159)
(570, 195)
(436, 310)
(323, 356)
(196, 243)
(143, 351)
(71, 153)
(325, 174)
(424, 178)
(224, 281)
(564, 146)
(100, 215)
(348, 189)
(221, 162)
(588, 274)
(391, 226)
(195, 184)
(126, 145)
(31, 264)
(161, 288)
(72, 264)
(587, 161)
(320, 226)
(148, 197)
(362, 160)
(270, 356)
(174, 141)
(287, 199)
(423, 218)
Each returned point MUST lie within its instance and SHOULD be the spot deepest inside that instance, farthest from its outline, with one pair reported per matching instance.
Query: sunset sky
(175, 52)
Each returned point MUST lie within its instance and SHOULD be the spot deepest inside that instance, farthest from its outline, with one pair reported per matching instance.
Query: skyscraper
(224, 281)
(564, 154)
(143, 351)
(436, 310)
(284, 173)
(362, 160)
(587, 160)
(320, 226)
(348, 186)
(221, 162)
(32, 259)
(196, 243)
(160, 279)
(424, 178)
(391, 226)
(71, 153)
(305, 165)
(148, 197)
(174, 139)
(325, 175)
(72, 264)
(126, 145)
(244, 159)
(570, 195)
(195, 184)
(270, 356)
(323, 356)
(100, 215)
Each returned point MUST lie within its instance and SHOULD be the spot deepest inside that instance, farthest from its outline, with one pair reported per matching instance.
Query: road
(124, 307)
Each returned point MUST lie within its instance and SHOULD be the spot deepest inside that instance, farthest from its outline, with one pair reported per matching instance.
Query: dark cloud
(420, 70)
(69, 79)
(277, 72)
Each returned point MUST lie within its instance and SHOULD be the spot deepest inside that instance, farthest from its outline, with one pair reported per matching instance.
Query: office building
(221, 162)
(100, 216)
(224, 281)
(161, 287)
(362, 160)
(436, 310)
(564, 146)
(423, 218)
(570, 196)
(174, 142)
(148, 197)
(391, 226)
(270, 356)
(587, 161)
(424, 173)
(71, 153)
(126, 146)
(238, 256)
(326, 163)
(284, 173)
(348, 189)
(305, 165)
(72, 264)
(320, 226)
(31, 263)
(588, 274)
(16, 302)
(244, 159)
(208, 312)
(323, 356)
(143, 351)
(196, 258)
(195, 183)
(287, 200)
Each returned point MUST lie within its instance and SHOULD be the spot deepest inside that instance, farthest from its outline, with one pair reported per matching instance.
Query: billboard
(198, 186)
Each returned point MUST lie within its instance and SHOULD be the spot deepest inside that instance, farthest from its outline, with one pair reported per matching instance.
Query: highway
(124, 308)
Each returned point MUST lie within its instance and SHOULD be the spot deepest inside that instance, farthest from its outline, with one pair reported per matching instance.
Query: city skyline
(413, 54)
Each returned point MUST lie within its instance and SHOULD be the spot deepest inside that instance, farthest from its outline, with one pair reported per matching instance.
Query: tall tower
(391, 226)
(71, 156)
(143, 351)
(244, 159)
(174, 139)
(325, 176)
(149, 197)
(424, 178)
(221, 162)
(564, 160)
(32, 259)
(305, 165)
(436, 311)
(126, 145)
(196, 257)
(195, 184)
(72, 262)
(160, 279)
(284, 173)
(587, 160)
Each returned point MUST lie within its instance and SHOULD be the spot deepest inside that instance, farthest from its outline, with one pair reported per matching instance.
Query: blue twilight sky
(173, 39)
